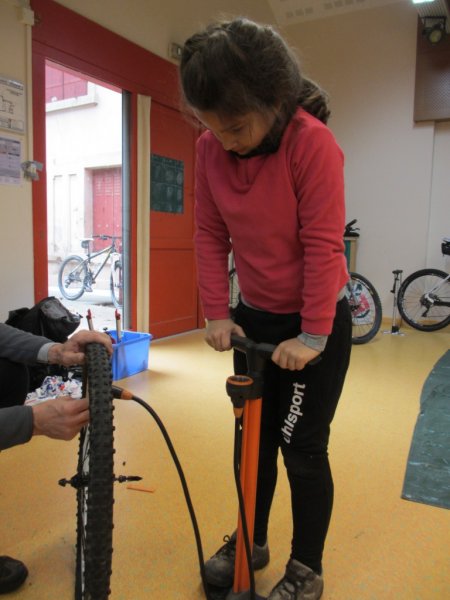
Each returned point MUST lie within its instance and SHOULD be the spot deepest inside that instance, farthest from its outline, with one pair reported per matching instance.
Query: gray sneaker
(219, 569)
(299, 583)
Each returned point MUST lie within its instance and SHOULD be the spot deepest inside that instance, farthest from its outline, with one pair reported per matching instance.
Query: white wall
(397, 172)
(153, 24)
(439, 224)
(16, 237)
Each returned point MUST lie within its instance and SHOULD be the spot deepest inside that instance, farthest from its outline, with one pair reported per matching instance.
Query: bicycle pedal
(122, 478)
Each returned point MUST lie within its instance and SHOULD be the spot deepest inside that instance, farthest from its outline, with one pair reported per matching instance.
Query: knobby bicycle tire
(95, 474)
(76, 274)
(365, 306)
(116, 284)
(417, 300)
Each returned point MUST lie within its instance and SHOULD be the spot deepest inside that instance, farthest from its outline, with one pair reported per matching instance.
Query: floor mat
(427, 477)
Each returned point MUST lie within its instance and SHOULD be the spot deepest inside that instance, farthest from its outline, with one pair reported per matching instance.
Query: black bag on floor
(51, 319)
(48, 317)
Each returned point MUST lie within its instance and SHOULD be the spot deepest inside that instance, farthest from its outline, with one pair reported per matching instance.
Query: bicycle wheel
(234, 288)
(424, 300)
(116, 284)
(71, 277)
(365, 306)
(95, 480)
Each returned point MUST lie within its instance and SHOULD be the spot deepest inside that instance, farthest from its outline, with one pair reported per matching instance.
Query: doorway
(83, 127)
(89, 51)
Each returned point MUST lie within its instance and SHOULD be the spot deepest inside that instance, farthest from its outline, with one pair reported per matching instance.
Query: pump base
(243, 596)
(219, 593)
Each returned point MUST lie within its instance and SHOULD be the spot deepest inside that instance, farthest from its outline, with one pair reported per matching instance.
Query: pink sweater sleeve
(319, 181)
(212, 241)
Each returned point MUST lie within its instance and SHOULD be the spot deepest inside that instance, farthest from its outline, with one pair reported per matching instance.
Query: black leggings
(13, 383)
(297, 410)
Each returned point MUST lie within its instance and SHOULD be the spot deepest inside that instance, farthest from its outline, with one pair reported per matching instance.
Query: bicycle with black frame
(78, 274)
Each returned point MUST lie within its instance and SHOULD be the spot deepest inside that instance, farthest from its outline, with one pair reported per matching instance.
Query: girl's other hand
(293, 355)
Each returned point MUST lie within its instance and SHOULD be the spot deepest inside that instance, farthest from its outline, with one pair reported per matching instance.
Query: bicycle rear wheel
(116, 284)
(71, 277)
(365, 306)
(424, 300)
(95, 480)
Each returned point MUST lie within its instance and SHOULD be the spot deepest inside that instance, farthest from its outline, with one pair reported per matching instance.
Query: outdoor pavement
(98, 301)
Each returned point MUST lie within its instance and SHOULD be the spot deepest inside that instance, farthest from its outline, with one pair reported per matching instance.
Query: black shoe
(12, 574)
(219, 569)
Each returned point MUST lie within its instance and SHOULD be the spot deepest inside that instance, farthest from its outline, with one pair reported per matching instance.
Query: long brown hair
(235, 67)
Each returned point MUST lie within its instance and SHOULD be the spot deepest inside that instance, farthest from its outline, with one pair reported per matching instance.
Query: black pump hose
(119, 393)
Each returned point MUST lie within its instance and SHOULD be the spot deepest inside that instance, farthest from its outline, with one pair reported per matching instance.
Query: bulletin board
(166, 184)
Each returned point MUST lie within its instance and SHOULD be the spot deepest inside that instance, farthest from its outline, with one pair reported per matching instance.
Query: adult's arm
(16, 426)
(27, 348)
(20, 346)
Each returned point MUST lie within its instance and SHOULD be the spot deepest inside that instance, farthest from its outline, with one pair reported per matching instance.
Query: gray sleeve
(316, 342)
(20, 346)
(16, 426)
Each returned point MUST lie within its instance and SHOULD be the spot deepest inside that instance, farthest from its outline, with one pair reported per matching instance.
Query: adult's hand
(72, 352)
(60, 418)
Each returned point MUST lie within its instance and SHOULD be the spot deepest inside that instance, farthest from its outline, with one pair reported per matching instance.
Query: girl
(269, 186)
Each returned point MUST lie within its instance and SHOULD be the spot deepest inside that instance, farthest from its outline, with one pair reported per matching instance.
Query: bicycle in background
(365, 306)
(364, 301)
(77, 275)
(424, 297)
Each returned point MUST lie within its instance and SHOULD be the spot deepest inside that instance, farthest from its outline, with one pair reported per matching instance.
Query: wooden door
(107, 205)
(173, 288)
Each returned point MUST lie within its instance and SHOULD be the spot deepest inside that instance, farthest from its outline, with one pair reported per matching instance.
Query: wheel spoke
(72, 277)
(424, 298)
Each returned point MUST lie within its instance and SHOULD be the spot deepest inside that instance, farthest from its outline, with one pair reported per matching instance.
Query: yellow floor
(379, 547)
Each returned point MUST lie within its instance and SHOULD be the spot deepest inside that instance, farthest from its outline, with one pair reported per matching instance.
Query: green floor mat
(427, 477)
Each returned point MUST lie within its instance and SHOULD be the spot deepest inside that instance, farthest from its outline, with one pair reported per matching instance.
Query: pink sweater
(285, 215)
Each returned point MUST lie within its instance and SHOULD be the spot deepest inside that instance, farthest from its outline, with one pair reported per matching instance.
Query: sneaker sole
(222, 583)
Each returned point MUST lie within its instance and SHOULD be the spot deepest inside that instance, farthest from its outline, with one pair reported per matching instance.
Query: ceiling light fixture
(434, 29)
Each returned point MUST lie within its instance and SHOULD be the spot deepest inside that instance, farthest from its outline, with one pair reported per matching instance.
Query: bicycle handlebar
(104, 236)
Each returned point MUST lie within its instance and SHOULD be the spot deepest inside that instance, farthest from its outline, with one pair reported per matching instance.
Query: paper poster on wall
(10, 155)
(166, 184)
(12, 105)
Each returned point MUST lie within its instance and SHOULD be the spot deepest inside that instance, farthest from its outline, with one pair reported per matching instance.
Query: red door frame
(66, 37)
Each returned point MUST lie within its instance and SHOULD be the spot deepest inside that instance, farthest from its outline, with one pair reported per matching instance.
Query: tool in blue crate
(89, 320)
(118, 326)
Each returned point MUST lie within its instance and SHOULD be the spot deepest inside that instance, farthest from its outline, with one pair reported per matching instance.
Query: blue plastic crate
(130, 355)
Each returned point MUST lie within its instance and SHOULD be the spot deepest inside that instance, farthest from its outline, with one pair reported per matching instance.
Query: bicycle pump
(245, 392)
(395, 329)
